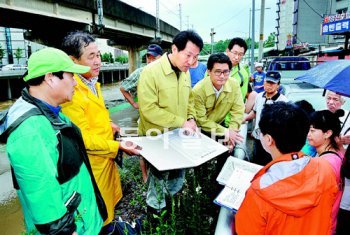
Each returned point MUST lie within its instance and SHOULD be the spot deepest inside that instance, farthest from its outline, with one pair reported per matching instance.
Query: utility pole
(250, 21)
(188, 22)
(180, 15)
(100, 25)
(212, 33)
(252, 46)
(261, 36)
(9, 45)
(157, 19)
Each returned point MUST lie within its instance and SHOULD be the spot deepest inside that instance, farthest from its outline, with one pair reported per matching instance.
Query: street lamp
(212, 33)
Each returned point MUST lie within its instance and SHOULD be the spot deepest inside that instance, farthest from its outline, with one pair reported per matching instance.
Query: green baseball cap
(51, 60)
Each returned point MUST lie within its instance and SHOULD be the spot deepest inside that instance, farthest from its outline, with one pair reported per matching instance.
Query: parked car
(290, 67)
(9, 67)
(312, 94)
(289, 63)
(203, 58)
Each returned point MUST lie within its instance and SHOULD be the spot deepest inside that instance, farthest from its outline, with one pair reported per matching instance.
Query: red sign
(337, 17)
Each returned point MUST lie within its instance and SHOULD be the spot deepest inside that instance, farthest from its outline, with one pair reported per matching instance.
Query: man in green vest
(235, 51)
(51, 170)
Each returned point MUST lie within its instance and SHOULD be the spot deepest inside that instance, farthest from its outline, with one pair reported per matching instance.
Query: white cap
(259, 65)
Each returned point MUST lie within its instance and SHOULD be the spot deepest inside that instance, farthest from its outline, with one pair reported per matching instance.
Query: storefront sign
(302, 45)
(337, 17)
(334, 27)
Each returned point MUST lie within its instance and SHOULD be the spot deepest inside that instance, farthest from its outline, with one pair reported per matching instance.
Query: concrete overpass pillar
(9, 93)
(134, 57)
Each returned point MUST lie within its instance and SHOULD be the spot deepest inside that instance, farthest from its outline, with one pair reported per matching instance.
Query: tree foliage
(111, 60)
(122, 59)
(249, 43)
(18, 54)
(270, 41)
(221, 45)
(2, 53)
(107, 57)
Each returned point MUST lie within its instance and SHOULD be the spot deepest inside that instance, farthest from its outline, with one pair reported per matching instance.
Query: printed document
(175, 150)
(236, 176)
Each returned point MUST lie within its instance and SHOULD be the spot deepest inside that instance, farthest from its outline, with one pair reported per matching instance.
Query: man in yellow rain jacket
(166, 102)
(87, 110)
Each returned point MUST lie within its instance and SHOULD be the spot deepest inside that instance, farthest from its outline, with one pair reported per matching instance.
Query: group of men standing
(62, 148)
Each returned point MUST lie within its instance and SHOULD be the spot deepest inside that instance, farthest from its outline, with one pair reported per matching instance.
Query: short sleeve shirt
(259, 79)
(260, 101)
(130, 83)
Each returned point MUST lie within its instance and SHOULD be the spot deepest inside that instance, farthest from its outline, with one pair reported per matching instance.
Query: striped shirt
(90, 83)
(130, 83)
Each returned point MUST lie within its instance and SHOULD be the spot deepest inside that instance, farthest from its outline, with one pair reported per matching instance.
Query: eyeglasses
(235, 53)
(219, 72)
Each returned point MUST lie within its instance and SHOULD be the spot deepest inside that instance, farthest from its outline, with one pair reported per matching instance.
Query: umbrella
(331, 75)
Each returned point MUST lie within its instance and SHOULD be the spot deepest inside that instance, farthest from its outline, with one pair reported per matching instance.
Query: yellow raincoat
(89, 113)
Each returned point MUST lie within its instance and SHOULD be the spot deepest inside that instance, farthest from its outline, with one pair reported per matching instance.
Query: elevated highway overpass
(11, 82)
(48, 21)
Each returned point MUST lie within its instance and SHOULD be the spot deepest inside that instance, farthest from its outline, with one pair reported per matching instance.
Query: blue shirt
(197, 73)
(309, 150)
(54, 109)
(258, 82)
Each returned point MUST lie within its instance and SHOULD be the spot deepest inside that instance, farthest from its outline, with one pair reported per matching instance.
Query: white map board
(174, 150)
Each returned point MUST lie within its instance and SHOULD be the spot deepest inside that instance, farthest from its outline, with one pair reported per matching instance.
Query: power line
(313, 9)
(231, 18)
(169, 9)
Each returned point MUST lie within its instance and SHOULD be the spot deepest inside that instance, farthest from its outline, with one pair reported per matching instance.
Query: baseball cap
(258, 65)
(273, 76)
(51, 60)
(154, 50)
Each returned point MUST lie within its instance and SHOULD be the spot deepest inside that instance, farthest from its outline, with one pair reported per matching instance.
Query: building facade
(299, 22)
(16, 48)
(338, 7)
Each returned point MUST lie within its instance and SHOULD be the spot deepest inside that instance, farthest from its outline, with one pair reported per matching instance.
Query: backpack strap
(240, 75)
(16, 123)
(332, 152)
(10, 129)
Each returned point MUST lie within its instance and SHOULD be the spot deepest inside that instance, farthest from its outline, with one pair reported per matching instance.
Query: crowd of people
(62, 148)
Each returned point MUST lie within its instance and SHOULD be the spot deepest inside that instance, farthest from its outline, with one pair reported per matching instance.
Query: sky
(229, 18)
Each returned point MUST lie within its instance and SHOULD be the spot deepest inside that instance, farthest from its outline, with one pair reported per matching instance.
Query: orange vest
(298, 204)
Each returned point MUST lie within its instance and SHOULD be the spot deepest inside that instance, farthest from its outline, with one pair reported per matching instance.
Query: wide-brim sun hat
(51, 60)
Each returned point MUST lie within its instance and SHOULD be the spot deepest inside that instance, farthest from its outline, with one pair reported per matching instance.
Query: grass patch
(192, 210)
